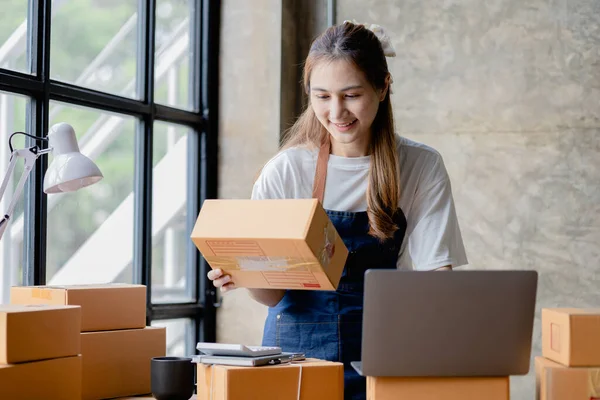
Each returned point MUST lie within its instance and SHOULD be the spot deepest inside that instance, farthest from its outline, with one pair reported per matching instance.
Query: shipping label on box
(555, 381)
(570, 336)
(285, 244)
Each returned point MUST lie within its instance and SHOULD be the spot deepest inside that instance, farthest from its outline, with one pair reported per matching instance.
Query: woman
(388, 197)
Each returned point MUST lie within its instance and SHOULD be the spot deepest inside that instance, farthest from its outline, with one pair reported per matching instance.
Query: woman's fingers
(214, 274)
(220, 280)
(227, 287)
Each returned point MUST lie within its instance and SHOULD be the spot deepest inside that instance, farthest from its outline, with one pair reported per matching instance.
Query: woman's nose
(336, 110)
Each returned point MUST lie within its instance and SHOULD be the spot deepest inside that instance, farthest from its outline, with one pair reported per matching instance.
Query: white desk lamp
(70, 170)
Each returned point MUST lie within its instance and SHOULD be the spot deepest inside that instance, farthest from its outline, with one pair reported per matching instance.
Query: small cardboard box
(38, 332)
(570, 336)
(557, 382)
(316, 380)
(117, 363)
(103, 307)
(57, 379)
(285, 244)
(447, 388)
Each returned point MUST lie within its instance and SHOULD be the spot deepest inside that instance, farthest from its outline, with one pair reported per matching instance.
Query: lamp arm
(9, 171)
(30, 155)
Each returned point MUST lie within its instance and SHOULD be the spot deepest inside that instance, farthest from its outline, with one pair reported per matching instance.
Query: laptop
(458, 323)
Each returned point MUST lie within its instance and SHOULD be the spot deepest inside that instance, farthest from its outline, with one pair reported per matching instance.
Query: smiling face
(346, 104)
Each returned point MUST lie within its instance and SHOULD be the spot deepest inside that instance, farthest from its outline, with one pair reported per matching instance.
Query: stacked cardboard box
(434, 388)
(40, 352)
(569, 368)
(311, 379)
(116, 344)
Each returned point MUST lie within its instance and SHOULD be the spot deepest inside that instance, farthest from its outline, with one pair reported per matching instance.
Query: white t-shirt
(432, 238)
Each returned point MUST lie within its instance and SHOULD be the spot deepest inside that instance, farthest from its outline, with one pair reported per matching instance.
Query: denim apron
(328, 324)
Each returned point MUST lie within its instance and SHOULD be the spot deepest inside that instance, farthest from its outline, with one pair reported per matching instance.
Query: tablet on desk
(237, 350)
(245, 361)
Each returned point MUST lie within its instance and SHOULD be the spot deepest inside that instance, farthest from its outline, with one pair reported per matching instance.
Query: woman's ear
(388, 82)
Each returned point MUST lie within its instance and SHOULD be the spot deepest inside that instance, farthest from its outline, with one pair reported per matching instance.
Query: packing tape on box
(38, 293)
(263, 263)
(299, 380)
(212, 377)
(328, 249)
(594, 383)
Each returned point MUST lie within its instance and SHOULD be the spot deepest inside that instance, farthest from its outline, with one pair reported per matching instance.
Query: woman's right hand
(221, 280)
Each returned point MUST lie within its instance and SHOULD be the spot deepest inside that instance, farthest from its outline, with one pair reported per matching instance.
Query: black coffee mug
(172, 378)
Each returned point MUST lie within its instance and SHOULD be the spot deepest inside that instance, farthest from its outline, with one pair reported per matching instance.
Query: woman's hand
(268, 297)
(221, 280)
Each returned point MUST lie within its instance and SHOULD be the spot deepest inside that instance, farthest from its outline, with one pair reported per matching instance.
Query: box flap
(19, 308)
(576, 311)
(256, 219)
(93, 286)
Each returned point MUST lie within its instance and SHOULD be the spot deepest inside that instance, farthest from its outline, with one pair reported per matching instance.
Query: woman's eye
(352, 96)
(322, 96)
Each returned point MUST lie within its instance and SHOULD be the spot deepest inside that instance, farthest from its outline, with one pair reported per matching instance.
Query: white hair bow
(386, 43)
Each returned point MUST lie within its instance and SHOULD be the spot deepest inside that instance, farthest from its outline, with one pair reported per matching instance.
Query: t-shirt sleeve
(433, 232)
(270, 182)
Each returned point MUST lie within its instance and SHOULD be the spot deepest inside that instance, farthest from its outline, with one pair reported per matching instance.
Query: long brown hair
(360, 46)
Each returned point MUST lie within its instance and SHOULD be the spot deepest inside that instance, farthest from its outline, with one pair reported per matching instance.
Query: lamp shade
(70, 170)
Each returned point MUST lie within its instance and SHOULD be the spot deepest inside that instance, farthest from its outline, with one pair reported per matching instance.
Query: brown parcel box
(103, 307)
(446, 388)
(319, 380)
(56, 379)
(38, 332)
(286, 244)
(557, 382)
(570, 336)
(117, 363)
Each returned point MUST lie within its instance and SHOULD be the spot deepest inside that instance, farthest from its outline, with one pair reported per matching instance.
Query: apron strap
(321, 170)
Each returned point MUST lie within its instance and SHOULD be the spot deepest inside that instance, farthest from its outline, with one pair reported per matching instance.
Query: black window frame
(202, 147)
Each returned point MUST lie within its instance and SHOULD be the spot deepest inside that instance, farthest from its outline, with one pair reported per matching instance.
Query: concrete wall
(507, 90)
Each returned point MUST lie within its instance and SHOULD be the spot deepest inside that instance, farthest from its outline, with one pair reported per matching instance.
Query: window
(137, 79)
